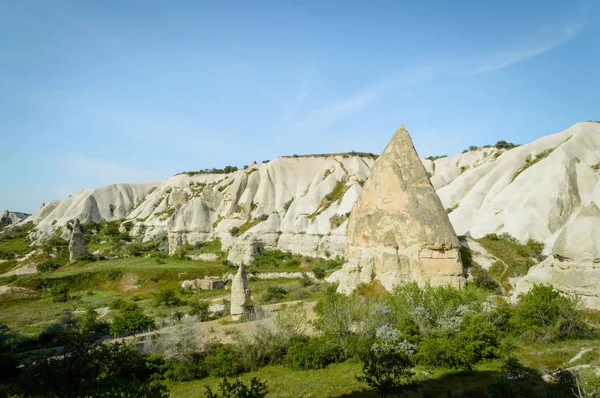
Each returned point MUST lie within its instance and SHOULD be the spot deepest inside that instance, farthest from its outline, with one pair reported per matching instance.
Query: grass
(515, 258)
(337, 380)
(336, 195)
(451, 209)
(250, 223)
(530, 162)
(97, 284)
(13, 242)
(338, 219)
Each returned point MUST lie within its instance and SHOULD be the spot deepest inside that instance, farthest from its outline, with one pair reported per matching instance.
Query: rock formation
(77, 246)
(531, 191)
(398, 230)
(574, 266)
(240, 293)
(11, 217)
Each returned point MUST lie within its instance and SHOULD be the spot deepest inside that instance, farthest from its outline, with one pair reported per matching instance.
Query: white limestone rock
(240, 293)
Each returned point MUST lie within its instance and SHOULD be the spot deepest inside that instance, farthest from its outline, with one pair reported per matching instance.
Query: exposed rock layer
(532, 191)
(398, 230)
(574, 266)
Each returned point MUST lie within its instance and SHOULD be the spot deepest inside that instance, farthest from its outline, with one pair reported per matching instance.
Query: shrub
(237, 389)
(167, 297)
(49, 265)
(59, 293)
(319, 273)
(482, 279)
(291, 320)
(114, 275)
(265, 346)
(434, 309)
(131, 319)
(199, 309)
(315, 353)
(387, 366)
(544, 310)
(478, 340)
(273, 294)
(226, 362)
(117, 304)
(87, 368)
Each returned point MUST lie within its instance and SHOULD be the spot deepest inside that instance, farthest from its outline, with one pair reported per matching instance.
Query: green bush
(49, 265)
(315, 353)
(273, 294)
(131, 319)
(192, 369)
(319, 273)
(387, 365)
(199, 309)
(545, 312)
(237, 389)
(482, 279)
(225, 362)
(59, 293)
(166, 297)
(478, 340)
(87, 367)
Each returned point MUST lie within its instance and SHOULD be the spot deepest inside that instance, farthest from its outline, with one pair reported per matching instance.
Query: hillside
(127, 286)
(301, 204)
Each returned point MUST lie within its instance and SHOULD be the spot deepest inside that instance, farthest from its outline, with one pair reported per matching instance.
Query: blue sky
(96, 92)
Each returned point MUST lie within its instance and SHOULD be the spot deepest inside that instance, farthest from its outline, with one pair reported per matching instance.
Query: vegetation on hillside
(13, 241)
(529, 161)
(225, 170)
(421, 341)
(515, 258)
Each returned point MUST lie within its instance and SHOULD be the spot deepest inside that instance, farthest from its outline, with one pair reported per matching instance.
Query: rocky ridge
(301, 204)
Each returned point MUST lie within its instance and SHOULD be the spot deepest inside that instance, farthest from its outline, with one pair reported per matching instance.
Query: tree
(387, 366)
(131, 319)
(84, 367)
(237, 389)
(200, 309)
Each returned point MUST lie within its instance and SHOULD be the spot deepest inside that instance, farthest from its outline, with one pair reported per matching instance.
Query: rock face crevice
(398, 230)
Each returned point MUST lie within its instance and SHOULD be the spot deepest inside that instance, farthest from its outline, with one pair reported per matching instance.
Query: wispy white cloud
(97, 171)
(323, 117)
(503, 59)
(327, 115)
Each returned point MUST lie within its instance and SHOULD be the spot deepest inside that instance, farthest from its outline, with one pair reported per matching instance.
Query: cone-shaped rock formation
(78, 246)
(398, 230)
(240, 292)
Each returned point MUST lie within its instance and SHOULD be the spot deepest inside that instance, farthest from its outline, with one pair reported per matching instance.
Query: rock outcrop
(11, 217)
(574, 265)
(77, 246)
(240, 293)
(398, 230)
(296, 204)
